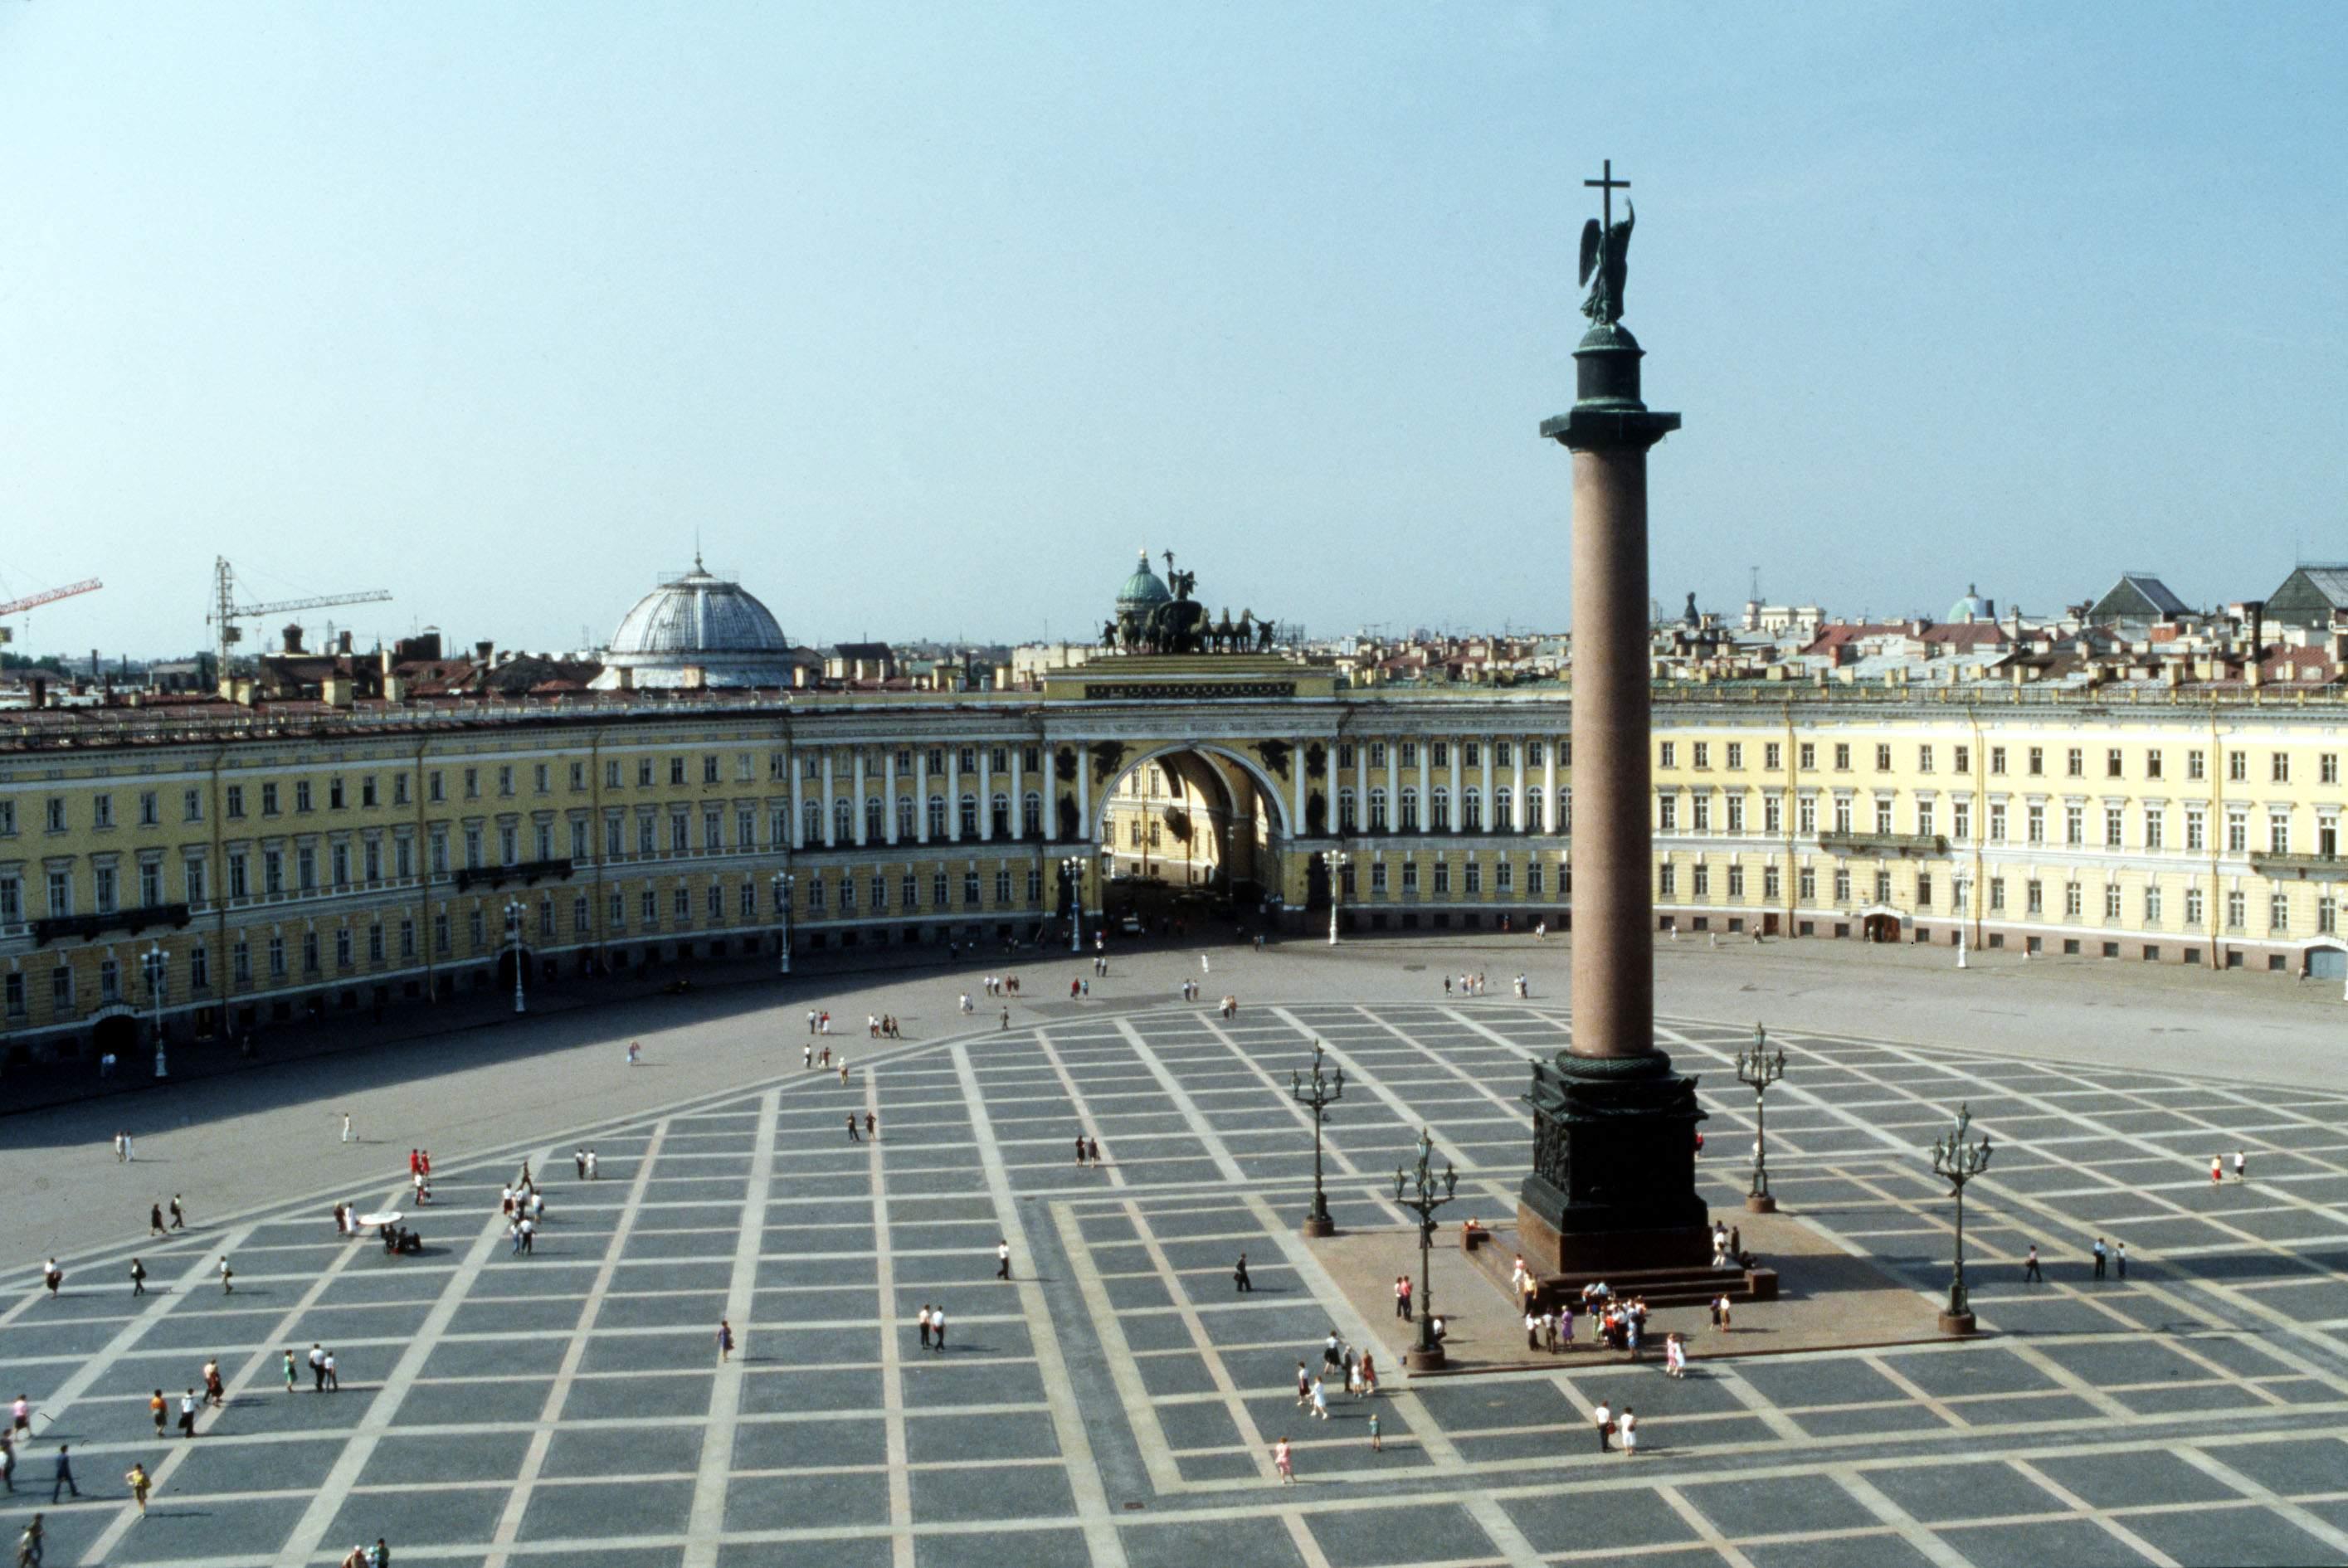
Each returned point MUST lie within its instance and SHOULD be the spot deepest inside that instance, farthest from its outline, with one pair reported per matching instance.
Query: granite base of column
(1613, 1181)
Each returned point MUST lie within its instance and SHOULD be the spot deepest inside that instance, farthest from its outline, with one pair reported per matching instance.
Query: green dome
(1143, 589)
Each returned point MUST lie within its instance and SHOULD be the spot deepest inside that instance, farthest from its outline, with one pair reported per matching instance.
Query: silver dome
(701, 621)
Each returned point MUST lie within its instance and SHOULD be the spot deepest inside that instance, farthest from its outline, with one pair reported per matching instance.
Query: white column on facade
(922, 795)
(888, 796)
(1296, 791)
(1458, 796)
(830, 826)
(1362, 785)
(1426, 783)
(1516, 822)
(986, 791)
(1084, 804)
(1492, 822)
(862, 837)
(1552, 818)
(1018, 792)
(797, 833)
(953, 794)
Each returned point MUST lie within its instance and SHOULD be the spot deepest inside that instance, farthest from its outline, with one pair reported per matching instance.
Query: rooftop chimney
(483, 650)
(292, 639)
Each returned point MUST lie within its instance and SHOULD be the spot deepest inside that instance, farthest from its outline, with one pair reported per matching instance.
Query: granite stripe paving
(1114, 1402)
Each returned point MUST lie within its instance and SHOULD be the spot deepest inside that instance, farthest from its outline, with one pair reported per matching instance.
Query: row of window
(2153, 822)
(1439, 819)
(1439, 753)
(2034, 760)
(2153, 905)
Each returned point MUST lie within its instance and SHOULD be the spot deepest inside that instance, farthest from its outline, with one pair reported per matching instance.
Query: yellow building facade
(227, 869)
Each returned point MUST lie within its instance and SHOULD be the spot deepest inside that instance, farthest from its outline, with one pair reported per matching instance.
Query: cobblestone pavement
(1115, 1401)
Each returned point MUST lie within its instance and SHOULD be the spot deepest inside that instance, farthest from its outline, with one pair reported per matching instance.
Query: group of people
(882, 1026)
(1471, 985)
(1087, 1150)
(999, 986)
(155, 1217)
(2217, 1167)
(871, 1127)
(819, 1021)
(933, 1326)
(523, 1207)
(122, 1151)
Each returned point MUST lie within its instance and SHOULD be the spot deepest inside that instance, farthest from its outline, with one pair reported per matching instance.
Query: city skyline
(923, 328)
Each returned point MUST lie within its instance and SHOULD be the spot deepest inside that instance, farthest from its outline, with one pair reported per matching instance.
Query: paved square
(1116, 1400)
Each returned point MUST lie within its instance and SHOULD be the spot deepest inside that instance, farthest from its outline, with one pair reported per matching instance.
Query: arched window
(998, 811)
(1504, 803)
(1409, 810)
(1031, 815)
(1565, 809)
(1377, 809)
(969, 817)
(811, 822)
(937, 816)
(875, 822)
(843, 823)
(1439, 808)
(904, 818)
(1345, 822)
(1471, 810)
(1533, 811)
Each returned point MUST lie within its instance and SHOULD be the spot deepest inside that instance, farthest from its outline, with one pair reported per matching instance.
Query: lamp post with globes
(784, 882)
(1421, 1192)
(1338, 860)
(1317, 1098)
(515, 909)
(1074, 866)
(1960, 1162)
(1758, 1069)
(158, 965)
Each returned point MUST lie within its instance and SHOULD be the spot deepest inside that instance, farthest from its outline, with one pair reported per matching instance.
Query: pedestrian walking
(1091, 1150)
(334, 1378)
(8, 1463)
(594, 1174)
(65, 1477)
(138, 1277)
(1002, 1258)
(2102, 1256)
(925, 1326)
(179, 1215)
(1320, 1400)
(871, 1125)
(2120, 1259)
(1376, 1445)
(806, 1053)
(1303, 1387)
(579, 1160)
(1282, 1460)
(289, 1371)
(138, 1483)
(853, 1136)
(159, 1408)
(1604, 1418)
(346, 1127)
(1239, 1281)
(1628, 1430)
(188, 1413)
(725, 1342)
(938, 1329)
(843, 1069)
(215, 1390)
(52, 1277)
(2240, 1174)
(317, 1367)
(30, 1544)
(2217, 1169)
(154, 1219)
(1402, 1296)
(20, 1417)
(227, 1276)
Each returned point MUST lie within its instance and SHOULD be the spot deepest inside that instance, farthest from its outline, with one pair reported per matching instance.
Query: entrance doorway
(1881, 928)
(2327, 963)
(117, 1032)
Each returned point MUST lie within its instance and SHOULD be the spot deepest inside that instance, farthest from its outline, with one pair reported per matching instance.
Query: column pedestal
(1613, 1181)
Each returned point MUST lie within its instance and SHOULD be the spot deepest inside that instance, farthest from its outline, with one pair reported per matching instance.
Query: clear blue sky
(925, 317)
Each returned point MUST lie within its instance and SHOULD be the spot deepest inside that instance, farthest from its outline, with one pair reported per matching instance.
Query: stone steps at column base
(1495, 1258)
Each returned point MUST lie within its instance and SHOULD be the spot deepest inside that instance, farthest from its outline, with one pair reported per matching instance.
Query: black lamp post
(1960, 1162)
(1758, 1069)
(1420, 1192)
(1319, 1097)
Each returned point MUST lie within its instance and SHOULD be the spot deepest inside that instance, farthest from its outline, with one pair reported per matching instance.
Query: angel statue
(1603, 247)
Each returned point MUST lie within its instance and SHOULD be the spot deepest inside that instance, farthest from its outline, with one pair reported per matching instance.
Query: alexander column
(1613, 1181)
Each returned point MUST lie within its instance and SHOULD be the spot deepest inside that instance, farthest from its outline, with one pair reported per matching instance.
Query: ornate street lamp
(1073, 865)
(784, 883)
(515, 909)
(1422, 1193)
(157, 963)
(1758, 1069)
(1960, 1162)
(1319, 1097)
(1337, 860)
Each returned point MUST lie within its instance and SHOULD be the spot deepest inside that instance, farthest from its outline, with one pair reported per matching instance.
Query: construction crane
(86, 585)
(227, 612)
